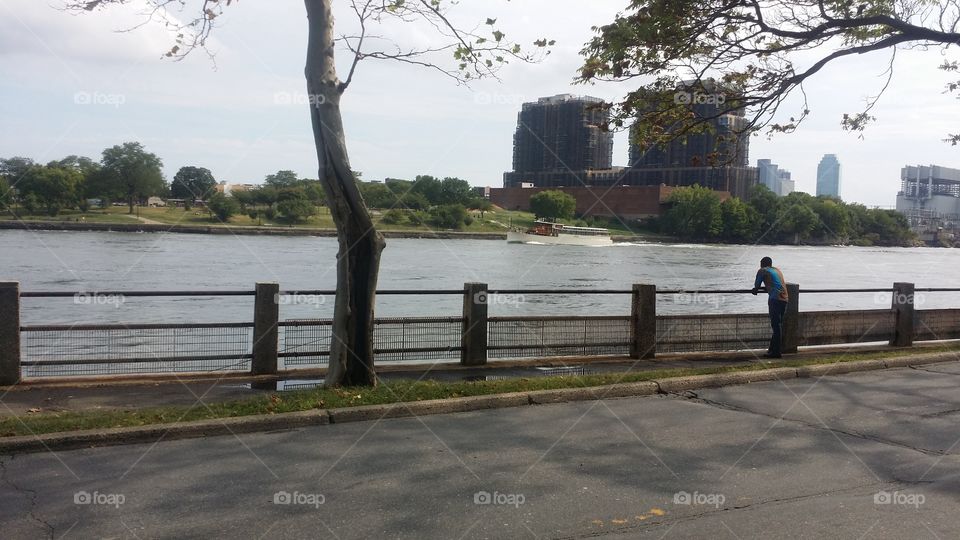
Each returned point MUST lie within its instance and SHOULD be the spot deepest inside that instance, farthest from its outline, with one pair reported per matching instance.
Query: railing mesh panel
(306, 343)
(117, 350)
(932, 324)
(520, 337)
(831, 327)
(691, 333)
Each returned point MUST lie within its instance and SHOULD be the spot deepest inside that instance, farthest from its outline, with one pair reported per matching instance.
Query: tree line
(129, 173)
(697, 213)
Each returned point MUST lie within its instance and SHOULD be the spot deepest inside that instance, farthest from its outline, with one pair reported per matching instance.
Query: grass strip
(386, 392)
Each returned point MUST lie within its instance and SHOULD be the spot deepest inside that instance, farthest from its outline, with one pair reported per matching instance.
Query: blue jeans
(777, 309)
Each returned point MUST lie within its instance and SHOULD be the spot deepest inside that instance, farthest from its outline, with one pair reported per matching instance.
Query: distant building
(774, 178)
(725, 143)
(828, 176)
(930, 198)
(562, 133)
(227, 189)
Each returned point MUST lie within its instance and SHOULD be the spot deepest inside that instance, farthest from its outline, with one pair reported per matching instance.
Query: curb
(69, 440)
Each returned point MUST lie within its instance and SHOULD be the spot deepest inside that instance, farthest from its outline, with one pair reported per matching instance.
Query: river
(105, 261)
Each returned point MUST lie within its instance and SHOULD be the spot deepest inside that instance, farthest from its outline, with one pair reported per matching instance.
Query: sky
(76, 84)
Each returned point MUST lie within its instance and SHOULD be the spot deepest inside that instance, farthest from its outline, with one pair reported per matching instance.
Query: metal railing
(270, 345)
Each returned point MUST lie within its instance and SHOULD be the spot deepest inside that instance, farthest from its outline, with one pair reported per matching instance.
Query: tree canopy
(129, 171)
(751, 54)
(193, 183)
(553, 204)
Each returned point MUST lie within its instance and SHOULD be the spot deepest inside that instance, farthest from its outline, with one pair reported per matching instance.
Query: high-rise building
(559, 144)
(562, 133)
(776, 179)
(724, 143)
(828, 176)
(716, 158)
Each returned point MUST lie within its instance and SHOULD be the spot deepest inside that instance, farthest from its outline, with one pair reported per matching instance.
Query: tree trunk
(358, 260)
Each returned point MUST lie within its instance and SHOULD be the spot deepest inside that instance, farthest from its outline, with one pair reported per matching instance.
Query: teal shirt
(772, 278)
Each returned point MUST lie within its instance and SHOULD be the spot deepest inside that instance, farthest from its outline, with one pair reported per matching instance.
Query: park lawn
(497, 220)
(388, 392)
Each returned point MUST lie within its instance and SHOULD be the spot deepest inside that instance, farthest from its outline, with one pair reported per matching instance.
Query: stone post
(9, 333)
(473, 345)
(643, 321)
(791, 320)
(266, 315)
(903, 297)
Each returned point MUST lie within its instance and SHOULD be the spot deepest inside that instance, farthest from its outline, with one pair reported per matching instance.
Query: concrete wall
(631, 202)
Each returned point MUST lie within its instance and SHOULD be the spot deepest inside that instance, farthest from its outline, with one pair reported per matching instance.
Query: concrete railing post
(266, 315)
(9, 333)
(903, 296)
(791, 320)
(643, 322)
(473, 344)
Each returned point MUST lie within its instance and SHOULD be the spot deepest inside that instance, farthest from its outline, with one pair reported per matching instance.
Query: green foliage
(694, 214)
(448, 216)
(741, 222)
(295, 207)
(393, 217)
(223, 207)
(192, 183)
(755, 53)
(282, 179)
(553, 204)
(129, 171)
(51, 188)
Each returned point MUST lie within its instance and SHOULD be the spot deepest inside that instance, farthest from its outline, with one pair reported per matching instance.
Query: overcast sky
(74, 84)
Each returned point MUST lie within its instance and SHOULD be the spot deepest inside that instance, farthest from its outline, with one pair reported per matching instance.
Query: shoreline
(225, 230)
(257, 230)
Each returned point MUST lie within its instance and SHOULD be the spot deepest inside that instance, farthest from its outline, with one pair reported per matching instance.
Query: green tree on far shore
(129, 172)
(223, 207)
(553, 204)
(191, 183)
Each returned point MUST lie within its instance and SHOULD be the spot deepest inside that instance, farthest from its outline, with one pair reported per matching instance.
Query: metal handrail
(409, 292)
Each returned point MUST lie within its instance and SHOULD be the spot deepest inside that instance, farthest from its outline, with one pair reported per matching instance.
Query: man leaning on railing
(772, 280)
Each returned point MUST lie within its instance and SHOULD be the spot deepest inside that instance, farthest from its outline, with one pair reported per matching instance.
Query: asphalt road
(870, 455)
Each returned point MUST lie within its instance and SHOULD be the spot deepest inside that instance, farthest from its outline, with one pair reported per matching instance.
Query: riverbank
(263, 231)
(231, 230)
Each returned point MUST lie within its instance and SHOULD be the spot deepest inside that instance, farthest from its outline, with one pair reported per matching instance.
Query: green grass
(493, 221)
(386, 392)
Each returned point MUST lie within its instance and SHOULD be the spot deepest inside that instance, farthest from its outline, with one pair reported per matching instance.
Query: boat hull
(515, 237)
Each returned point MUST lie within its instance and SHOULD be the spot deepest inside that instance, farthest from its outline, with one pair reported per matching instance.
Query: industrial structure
(930, 199)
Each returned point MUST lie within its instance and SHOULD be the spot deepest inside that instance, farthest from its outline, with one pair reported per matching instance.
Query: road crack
(31, 496)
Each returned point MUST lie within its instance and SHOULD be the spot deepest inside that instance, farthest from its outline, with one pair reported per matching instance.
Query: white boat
(544, 232)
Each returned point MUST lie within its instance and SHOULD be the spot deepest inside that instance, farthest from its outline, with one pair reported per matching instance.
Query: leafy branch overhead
(754, 53)
(477, 52)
